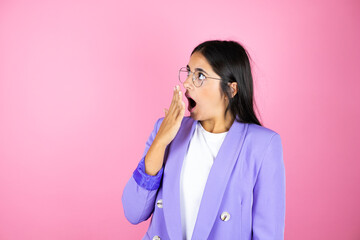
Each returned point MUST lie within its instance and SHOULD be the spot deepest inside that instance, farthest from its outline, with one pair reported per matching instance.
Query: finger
(178, 98)
(182, 111)
(173, 100)
(180, 101)
(177, 93)
(179, 107)
(166, 111)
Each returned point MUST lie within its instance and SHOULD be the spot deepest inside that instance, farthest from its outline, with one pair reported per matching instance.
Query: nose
(188, 83)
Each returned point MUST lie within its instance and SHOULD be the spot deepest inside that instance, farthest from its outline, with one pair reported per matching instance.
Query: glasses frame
(184, 69)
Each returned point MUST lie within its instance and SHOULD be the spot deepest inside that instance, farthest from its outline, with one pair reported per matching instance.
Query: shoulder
(260, 138)
(262, 143)
(258, 131)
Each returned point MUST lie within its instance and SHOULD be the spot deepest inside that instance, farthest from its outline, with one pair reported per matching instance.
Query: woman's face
(210, 104)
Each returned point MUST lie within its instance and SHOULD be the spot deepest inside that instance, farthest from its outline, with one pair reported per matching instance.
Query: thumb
(166, 111)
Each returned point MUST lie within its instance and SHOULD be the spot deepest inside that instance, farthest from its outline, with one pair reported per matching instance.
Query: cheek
(210, 100)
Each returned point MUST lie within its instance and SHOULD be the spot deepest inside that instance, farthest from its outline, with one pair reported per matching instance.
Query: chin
(194, 116)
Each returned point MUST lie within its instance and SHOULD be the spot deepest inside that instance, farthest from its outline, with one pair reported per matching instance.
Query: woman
(216, 174)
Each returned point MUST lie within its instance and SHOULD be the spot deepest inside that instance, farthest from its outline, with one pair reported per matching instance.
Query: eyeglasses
(198, 77)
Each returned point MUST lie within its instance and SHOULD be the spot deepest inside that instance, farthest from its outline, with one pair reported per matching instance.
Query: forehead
(197, 60)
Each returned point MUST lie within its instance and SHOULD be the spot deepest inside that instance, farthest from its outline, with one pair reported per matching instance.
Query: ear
(233, 88)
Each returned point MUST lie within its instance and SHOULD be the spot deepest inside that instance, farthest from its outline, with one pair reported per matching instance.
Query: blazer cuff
(144, 180)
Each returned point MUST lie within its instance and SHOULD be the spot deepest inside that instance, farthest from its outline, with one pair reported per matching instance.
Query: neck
(218, 125)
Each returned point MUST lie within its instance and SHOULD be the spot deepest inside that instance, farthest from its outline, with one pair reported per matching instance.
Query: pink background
(83, 82)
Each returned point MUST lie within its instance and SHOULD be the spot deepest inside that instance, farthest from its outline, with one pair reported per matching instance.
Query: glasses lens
(183, 74)
(198, 78)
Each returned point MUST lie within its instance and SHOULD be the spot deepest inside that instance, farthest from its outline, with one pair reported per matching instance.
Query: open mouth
(192, 103)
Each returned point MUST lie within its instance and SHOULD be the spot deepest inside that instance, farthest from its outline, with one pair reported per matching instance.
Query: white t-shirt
(200, 156)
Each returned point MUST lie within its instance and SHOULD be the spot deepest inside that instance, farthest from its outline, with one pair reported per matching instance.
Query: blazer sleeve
(140, 191)
(269, 194)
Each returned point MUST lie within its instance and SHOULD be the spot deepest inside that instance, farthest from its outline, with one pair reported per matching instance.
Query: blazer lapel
(217, 180)
(171, 178)
(215, 185)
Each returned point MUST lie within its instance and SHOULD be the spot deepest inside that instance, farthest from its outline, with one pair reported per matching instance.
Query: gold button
(156, 238)
(225, 216)
(159, 203)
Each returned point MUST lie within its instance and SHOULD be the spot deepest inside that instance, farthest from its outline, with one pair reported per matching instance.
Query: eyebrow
(197, 69)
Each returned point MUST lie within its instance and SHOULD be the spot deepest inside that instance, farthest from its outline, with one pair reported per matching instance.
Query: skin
(209, 111)
(210, 103)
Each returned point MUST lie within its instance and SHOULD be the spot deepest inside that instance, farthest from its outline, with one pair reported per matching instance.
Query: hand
(172, 121)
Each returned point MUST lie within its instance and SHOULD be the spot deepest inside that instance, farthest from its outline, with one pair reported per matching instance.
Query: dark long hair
(230, 61)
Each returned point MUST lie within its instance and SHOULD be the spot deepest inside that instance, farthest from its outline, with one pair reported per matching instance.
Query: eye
(188, 72)
(201, 76)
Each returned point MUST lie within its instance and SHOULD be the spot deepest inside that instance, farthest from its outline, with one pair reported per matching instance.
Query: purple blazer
(244, 196)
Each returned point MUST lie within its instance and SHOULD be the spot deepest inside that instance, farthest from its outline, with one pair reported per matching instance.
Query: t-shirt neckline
(210, 134)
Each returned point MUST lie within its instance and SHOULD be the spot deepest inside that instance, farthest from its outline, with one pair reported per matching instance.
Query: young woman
(216, 174)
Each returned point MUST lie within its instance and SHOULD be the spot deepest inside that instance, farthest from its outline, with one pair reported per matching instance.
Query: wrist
(159, 144)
